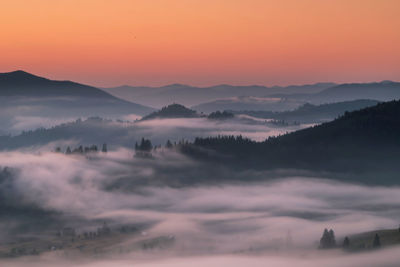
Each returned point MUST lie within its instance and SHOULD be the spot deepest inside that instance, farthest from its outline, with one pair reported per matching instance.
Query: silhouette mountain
(46, 97)
(21, 83)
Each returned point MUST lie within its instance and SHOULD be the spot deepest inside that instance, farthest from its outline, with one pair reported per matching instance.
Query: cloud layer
(216, 219)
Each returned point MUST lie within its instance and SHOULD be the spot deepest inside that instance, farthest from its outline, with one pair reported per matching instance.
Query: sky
(202, 42)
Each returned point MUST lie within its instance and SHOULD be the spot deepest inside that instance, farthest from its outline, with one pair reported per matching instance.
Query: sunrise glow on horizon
(111, 43)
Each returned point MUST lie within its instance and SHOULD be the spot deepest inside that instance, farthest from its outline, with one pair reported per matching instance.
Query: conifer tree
(104, 148)
(346, 243)
(168, 144)
(377, 241)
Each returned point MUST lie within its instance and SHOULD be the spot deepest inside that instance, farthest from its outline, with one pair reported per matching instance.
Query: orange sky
(202, 42)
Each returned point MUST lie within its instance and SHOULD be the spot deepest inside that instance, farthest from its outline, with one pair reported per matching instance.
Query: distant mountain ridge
(309, 113)
(192, 95)
(379, 91)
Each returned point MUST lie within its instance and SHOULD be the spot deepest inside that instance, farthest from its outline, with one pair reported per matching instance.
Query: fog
(387, 258)
(125, 133)
(190, 128)
(218, 217)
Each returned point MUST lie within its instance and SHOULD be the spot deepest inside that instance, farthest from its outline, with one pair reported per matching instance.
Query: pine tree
(332, 238)
(327, 239)
(104, 148)
(324, 242)
(68, 151)
(145, 145)
(346, 243)
(377, 241)
(168, 144)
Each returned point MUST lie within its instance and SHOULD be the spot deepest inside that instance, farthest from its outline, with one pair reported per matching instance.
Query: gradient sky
(202, 42)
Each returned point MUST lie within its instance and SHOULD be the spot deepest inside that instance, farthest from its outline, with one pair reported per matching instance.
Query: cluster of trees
(218, 115)
(144, 148)
(70, 232)
(145, 145)
(328, 239)
(82, 150)
(283, 123)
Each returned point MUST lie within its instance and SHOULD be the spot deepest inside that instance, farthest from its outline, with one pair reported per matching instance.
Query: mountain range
(192, 96)
(379, 91)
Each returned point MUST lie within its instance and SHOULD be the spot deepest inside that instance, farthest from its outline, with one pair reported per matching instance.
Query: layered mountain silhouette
(192, 95)
(379, 91)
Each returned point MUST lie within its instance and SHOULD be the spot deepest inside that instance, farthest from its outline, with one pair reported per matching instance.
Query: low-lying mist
(217, 216)
(118, 133)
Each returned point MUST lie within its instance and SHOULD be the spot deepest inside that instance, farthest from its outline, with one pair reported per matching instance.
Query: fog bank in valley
(248, 219)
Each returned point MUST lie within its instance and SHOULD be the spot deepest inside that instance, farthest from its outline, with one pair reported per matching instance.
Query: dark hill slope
(23, 94)
(20, 83)
(360, 141)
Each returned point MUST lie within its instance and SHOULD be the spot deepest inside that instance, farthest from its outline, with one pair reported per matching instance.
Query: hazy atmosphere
(200, 133)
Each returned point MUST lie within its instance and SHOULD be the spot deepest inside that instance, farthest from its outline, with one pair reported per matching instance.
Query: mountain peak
(19, 75)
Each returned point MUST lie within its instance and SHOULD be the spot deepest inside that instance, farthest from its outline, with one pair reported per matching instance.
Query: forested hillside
(368, 139)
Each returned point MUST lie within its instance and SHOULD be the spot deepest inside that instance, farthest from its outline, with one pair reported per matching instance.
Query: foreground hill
(360, 141)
